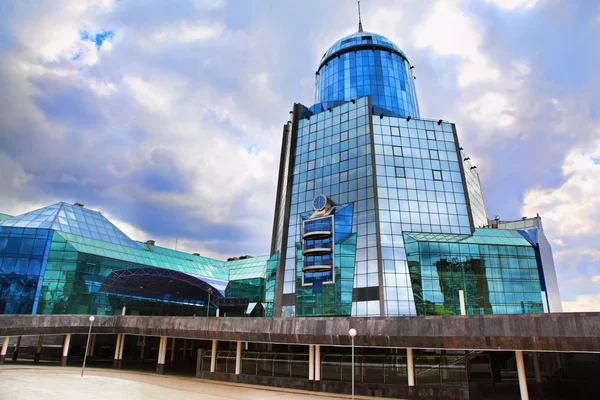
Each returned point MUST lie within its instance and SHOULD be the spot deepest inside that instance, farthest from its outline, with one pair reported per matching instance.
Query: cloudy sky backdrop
(167, 116)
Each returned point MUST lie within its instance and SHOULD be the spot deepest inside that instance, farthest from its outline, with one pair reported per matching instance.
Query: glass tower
(364, 64)
(380, 212)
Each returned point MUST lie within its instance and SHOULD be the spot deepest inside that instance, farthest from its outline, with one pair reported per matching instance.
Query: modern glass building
(379, 212)
(416, 233)
(67, 259)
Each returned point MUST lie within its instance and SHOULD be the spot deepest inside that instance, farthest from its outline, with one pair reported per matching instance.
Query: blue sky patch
(97, 38)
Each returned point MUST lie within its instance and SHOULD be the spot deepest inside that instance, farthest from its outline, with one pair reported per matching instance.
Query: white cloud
(449, 31)
(186, 32)
(588, 302)
(572, 209)
(58, 26)
(156, 96)
(491, 108)
(512, 4)
(103, 89)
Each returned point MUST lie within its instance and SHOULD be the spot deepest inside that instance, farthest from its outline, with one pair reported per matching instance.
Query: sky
(168, 116)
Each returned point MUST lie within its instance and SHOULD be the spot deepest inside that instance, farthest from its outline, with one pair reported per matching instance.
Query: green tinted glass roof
(68, 218)
(180, 254)
(480, 236)
(248, 268)
(201, 267)
(90, 232)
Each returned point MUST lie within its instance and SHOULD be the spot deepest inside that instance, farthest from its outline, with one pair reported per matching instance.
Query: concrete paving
(53, 383)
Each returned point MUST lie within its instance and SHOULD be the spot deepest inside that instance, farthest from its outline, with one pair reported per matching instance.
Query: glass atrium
(67, 259)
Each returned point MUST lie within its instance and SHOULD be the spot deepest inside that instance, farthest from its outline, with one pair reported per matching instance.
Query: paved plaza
(53, 383)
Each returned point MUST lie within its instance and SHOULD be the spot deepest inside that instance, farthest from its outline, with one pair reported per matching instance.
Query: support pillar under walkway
(118, 357)
(38, 350)
(522, 375)
(65, 350)
(4, 349)
(317, 362)
(238, 358)
(410, 366)
(15, 355)
(213, 356)
(311, 362)
(162, 355)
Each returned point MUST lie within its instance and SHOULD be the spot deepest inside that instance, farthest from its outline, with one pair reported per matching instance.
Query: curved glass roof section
(249, 268)
(360, 38)
(68, 218)
(90, 232)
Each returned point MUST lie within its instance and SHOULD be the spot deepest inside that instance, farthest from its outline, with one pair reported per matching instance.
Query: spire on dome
(360, 28)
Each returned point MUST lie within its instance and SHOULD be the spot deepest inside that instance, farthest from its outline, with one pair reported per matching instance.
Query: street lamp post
(87, 344)
(210, 291)
(352, 333)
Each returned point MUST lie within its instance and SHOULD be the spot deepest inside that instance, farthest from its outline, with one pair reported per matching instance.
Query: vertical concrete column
(218, 313)
(536, 367)
(5, 349)
(15, 355)
(65, 351)
(311, 362)
(238, 358)
(463, 306)
(38, 350)
(172, 351)
(213, 356)
(121, 348)
(317, 362)
(522, 375)
(117, 350)
(410, 367)
(162, 352)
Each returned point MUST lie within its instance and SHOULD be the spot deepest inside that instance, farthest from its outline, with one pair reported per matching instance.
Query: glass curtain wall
(496, 269)
(333, 157)
(420, 189)
(23, 256)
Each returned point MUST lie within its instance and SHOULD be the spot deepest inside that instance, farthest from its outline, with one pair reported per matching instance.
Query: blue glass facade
(496, 269)
(416, 202)
(67, 259)
(23, 256)
(364, 64)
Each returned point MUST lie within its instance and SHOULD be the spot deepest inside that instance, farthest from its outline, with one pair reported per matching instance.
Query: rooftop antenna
(360, 29)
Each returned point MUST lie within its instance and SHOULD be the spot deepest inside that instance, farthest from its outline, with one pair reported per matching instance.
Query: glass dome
(361, 38)
(362, 64)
